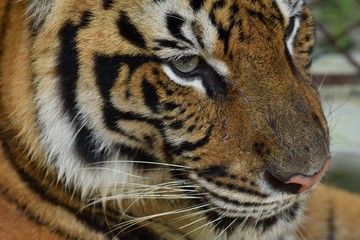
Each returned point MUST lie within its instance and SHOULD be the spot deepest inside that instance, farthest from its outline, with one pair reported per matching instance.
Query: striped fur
(102, 135)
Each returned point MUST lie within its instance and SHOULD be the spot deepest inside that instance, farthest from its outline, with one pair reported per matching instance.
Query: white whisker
(322, 82)
(223, 231)
(144, 162)
(192, 223)
(193, 214)
(113, 170)
(128, 224)
(202, 226)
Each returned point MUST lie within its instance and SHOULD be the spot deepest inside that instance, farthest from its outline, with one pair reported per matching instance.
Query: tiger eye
(186, 64)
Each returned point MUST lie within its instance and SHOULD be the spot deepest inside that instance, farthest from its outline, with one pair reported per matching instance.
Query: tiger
(164, 119)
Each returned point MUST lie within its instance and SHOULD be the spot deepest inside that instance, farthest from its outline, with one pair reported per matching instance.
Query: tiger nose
(308, 182)
(298, 183)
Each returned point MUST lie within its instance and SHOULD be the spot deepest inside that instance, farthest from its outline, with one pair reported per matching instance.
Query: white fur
(39, 10)
(218, 66)
(290, 8)
(195, 83)
(291, 38)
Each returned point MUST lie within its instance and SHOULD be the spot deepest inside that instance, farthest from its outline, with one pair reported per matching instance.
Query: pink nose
(308, 182)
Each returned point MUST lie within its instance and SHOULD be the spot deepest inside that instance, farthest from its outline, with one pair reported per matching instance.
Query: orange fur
(51, 208)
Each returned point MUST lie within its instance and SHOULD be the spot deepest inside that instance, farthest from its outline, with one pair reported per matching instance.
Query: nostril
(308, 182)
(296, 183)
(279, 185)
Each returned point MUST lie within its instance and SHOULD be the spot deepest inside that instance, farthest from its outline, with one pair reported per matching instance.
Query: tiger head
(196, 108)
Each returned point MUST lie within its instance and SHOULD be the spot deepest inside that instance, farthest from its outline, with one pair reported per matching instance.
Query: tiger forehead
(151, 16)
(39, 10)
(195, 6)
(225, 11)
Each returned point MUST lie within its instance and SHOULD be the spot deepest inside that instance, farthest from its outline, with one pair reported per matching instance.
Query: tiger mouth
(252, 212)
(257, 210)
(226, 221)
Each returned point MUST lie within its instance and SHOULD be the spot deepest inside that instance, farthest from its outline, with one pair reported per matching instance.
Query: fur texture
(104, 134)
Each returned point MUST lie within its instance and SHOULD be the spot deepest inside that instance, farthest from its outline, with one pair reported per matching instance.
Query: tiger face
(200, 108)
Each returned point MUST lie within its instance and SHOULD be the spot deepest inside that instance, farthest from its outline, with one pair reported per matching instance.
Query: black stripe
(292, 213)
(150, 140)
(107, 4)
(191, 128)
(267, 223)
(87, 146)
(137, 154)
(174, 23)
(242, 204)
(240, 189)
(270, 20)
(196, 4)
(138, 232)
(169, 106)
(150, 95)
(106, 71)
(224, 33)
(258, 15)
(92, 221)
(111, 119)
(213, 82)
(68, 69)
(191, 146)
(168, 44)
(214, 171)
(128, 30)
(177, 124)
(243, 222)
(231, 224)
(68, 66)
(113, 115)
(217, 5)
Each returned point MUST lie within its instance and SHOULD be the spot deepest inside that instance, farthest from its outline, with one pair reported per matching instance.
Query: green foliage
(344, 178)
(336, 16)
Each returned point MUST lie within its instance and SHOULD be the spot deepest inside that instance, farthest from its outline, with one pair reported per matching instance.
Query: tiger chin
(164, 119)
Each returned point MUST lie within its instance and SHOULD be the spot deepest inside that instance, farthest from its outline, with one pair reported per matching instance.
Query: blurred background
(336, 69)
